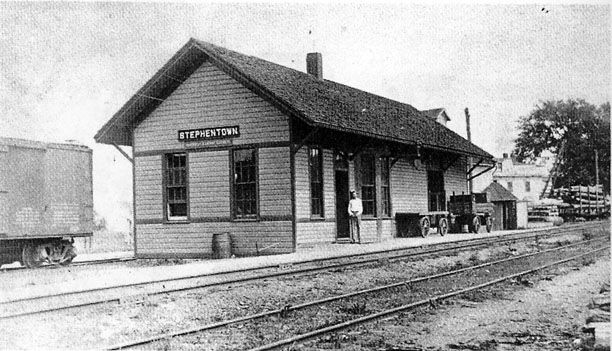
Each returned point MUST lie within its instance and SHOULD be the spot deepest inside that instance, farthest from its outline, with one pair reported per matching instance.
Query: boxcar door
(26, 188)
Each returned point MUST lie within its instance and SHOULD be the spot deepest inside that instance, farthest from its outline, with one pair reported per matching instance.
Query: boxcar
(46, 200)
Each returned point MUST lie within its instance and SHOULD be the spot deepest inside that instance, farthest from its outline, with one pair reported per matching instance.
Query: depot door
(342, 200)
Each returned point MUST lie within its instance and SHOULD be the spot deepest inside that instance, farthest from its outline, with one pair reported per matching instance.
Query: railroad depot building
(225, 142)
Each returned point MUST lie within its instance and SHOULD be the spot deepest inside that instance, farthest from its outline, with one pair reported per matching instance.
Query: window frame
(232, 171)
(386, 208)
(527, 186)
(362, 185)
(510, 186)
(321, 200)
(165, 205)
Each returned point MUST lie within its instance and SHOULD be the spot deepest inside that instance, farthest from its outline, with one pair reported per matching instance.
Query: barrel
(222, 245)
(465, 228)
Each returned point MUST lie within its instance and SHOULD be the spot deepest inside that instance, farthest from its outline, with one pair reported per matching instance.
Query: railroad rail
(424, 302)
(385, 313)
(89, 297)
(74, 264)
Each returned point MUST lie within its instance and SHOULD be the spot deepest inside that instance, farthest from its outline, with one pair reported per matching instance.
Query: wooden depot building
(223, 142)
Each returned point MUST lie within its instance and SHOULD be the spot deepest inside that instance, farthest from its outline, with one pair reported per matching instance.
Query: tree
(583, 127)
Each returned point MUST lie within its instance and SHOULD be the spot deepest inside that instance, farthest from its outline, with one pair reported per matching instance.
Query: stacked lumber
(544, 211)
(584, 201)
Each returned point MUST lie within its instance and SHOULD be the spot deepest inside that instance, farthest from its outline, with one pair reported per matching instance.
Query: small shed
(504, 206)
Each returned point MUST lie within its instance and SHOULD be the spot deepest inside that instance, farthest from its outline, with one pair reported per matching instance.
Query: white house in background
(526, 181)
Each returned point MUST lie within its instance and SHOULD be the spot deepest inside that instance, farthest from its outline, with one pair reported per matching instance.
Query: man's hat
(352, 191)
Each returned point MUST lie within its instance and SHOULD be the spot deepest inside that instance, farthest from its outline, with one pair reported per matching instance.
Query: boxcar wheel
(443, 226)
(30, 256)
(424, 226)
(475, 224)
(489, 224)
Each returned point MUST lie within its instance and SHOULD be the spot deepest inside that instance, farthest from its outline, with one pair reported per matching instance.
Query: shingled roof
(318, 102)
(496, 192)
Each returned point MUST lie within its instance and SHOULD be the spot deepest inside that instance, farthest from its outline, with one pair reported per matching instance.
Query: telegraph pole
(597, 183)
(469, 138)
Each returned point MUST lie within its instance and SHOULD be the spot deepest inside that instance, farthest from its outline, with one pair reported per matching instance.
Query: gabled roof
(496, 192)
(435, 113)
(317, 102)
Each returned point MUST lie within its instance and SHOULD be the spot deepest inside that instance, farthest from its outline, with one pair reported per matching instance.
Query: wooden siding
(274, 182)
(209, 188)
(314, 231)
(408, 188)
(329, 187)
(210, 98)
(388, 230)
(369, 231)
(148, 188)
(209, 202)
(195, 239)
(302, 185)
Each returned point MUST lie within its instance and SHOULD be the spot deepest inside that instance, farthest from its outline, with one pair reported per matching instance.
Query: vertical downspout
(134, 194)
(292, 166)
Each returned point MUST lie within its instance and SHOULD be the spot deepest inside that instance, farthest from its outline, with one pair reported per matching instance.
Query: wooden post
(589, 201)
(469, 138)
(580, 198)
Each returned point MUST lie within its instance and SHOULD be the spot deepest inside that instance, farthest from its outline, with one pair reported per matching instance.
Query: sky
(66, 68)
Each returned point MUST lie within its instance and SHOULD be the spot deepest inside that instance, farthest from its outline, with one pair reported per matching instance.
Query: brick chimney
(314, 64)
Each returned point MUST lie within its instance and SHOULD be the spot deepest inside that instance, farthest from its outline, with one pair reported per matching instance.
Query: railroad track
(140, 290)
(73, 264)
(283, 315)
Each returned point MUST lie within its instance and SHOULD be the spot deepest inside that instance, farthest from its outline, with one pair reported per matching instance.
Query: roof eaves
(100, 136)
(401, 141)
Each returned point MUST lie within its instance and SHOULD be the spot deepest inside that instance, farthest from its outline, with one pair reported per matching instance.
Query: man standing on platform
(355, 209)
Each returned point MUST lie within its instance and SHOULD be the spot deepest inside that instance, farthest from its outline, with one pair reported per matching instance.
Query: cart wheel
(489, 224)
(442, 226)
(424, 226)
(475, 224)
(69, 253)
(31, 257)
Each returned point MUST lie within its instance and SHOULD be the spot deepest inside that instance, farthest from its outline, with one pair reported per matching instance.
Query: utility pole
(597, 183)
(469, 138)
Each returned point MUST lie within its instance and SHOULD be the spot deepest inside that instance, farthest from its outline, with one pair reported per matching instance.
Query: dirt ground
(545, 316)
(466, 324)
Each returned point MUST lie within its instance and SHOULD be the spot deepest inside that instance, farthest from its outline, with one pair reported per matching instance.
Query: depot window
(315, 163)
(244, 184)
(385, 187)
(368, 185)
(175, 187)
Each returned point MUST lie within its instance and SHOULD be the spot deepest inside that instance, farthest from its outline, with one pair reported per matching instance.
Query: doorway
(342, 201)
